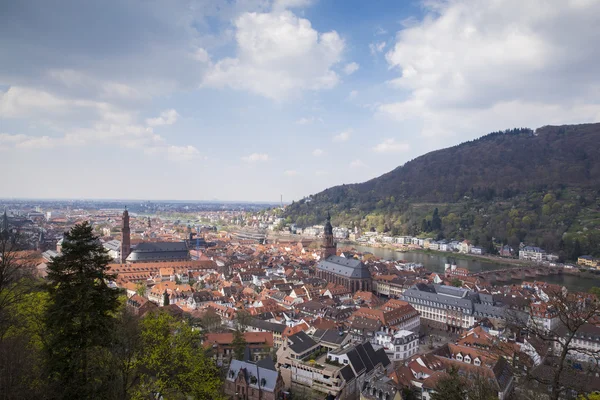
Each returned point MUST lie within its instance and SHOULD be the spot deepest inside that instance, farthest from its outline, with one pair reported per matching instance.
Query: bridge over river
(517, 273)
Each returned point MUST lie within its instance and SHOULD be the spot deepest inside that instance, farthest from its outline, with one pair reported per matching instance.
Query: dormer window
(477, 362)
(459, 357)
(467, 359)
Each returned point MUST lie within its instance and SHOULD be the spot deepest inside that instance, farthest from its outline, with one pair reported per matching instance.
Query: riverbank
(500, 261)
(435, 261)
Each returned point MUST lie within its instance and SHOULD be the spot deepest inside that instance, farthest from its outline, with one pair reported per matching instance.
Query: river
(435, 263)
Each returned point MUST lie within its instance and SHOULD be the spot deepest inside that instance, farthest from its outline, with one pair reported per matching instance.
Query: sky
(257, 99)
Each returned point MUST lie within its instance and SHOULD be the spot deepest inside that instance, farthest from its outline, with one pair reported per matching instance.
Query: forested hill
(509, 166)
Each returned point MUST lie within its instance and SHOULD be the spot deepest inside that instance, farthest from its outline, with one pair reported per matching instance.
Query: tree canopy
(450, 387)
(73, 337)
(81, 315)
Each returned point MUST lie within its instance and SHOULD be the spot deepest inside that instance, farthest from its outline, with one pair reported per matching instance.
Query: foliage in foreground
(73, 337)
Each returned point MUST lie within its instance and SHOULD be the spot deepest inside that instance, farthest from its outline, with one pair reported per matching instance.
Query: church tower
(5, 228)
(125, 237)
(328, 243)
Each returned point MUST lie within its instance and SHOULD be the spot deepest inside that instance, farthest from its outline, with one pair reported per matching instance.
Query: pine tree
(80, 317)
(436, 222)
(239, 345)
(576, 250)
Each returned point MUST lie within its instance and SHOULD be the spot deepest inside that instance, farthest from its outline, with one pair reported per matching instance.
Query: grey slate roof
(486, 310)
(382, 357)
(329, 336)
(159, 251)
(301, 342)
(440, 294)
(266, 363)
(347, 373)
(356, 361)
(347, 267)
(251, 369)
(486, 298)
(114, 245)
(267, 326)
(370, 352)
(364, 357)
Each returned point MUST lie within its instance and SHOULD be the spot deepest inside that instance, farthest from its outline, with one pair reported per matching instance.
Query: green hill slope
(539, 187)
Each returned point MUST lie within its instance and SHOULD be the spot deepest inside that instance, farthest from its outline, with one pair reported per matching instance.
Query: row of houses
(533, 253)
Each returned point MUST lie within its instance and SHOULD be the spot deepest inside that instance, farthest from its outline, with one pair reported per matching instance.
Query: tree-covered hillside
(539, 187)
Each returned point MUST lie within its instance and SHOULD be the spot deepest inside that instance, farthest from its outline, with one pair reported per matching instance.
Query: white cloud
(380, 31)
(104, 88)
(291, 172)
(25, 102)
(182, 153)
(278, 56)
(357, 164)
(352, 95)
(351, 68)
(526, 72)
(110, 125)
(409, 22)
(287, 4)
(167, 117)
(317, 152)
(132, 58)
(201, 55)
(21, 141)
(342, 136)
(391, 146)
(256, 157)
(308, 120)
(18, 102)
(376, 47)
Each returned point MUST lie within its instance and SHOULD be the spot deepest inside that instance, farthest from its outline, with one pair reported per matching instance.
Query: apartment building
(312, 371)
(398, 345)
(450, 308)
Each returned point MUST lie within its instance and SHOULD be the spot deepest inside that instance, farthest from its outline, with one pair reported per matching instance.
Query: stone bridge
(517, 273)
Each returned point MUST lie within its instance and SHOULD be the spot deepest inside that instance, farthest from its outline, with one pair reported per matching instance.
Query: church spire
(125, 237)
(328, 242)
(328, 228)
(5, 227)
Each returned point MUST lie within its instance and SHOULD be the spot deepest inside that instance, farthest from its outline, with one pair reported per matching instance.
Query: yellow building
(587, 261)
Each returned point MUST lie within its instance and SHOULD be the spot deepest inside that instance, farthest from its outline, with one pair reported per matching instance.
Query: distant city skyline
(246, 100)
(114, 200)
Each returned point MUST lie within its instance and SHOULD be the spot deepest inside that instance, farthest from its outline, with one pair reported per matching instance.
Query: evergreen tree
(80, 316)
(450, 387)
(576, 252)
(436, 221)
(408, 393)
(239, 345)
(424, 226)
